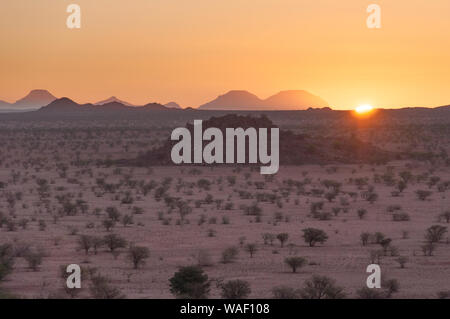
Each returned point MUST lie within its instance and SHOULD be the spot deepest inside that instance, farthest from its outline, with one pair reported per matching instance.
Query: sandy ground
(342, 257)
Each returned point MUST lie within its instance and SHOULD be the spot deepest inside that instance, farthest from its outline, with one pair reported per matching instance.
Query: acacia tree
(190, 282)
(314, 235)
(235, 289)
(138, 255)
(295, 262)
(85, 243)
(435, 233)
(113, 242)
(282, 237)
(251, 249)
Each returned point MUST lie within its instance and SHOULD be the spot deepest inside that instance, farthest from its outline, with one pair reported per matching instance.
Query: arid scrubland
(307, 232)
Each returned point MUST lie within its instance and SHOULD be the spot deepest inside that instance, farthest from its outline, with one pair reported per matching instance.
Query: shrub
(370, 293)
(138, 255)
(385, 244)
(102, 289)
(34, 258)
(400, 217)
(435, 233)
(97, 242)
(235, 289)
(229, 255)
(108, 224)
(321, 287)
(391, 286)
(85, 243)
(190, 282)
(6, 260)
(295, 262)
(113, 242)
(361, 213)
(268, 238)
(314, 235)
(127, 220)
(364, 238)
(283, 292)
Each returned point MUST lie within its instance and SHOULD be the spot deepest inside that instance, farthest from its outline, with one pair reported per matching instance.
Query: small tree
(113, 242)
(85, 243)
(385, 244)
(361, 213)
(365, 238)
(97, 242)
(268, 238)
(251, 249)
(34, 259)
(138, 255)
(282, 237)
(435, 233)
(321, 287)
(190, 282)
(235, 289)
(295, 263)
(314, 235)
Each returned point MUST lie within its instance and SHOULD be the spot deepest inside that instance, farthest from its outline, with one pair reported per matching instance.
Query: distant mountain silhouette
(284, 100)
(294, 100)
(62, 104)
(173, 105)
(67, 105)
(35, 99)
(234, 100)
(113, 99)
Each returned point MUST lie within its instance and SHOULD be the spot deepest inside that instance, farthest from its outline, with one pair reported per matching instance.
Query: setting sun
(364, 109)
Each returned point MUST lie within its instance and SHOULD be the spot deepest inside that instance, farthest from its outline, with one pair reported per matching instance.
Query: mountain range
(284, 100)
(33, 100)
(113, 99)
(67, 105)
(237, 100)
(41, 98)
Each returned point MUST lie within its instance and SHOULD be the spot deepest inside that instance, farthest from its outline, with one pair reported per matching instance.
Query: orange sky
(190, 51)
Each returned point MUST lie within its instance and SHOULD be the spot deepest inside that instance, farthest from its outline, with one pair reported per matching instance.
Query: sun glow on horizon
(364, 109)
